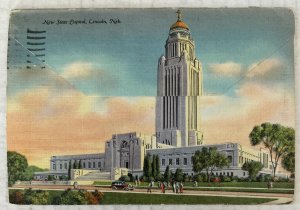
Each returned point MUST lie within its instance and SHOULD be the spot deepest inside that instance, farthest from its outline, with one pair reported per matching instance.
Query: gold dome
(179, 24)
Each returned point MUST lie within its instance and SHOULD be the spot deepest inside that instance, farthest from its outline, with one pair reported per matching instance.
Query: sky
(101, 78)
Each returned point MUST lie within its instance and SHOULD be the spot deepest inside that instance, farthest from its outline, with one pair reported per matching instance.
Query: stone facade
(181, 157)
(179, 87)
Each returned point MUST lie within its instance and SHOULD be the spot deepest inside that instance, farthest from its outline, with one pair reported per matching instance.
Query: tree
(253, 168)
(147, 166)
(69, 170)
(75, 164)
(167, 174)
(208, 160)
(157, 167)
(79, 165)
(153, 166)
(179, 175)
(16, 166)
(279, 140)
(288, 162)
(29, 172)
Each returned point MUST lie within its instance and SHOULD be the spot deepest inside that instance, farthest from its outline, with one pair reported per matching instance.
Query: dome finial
(178, 14)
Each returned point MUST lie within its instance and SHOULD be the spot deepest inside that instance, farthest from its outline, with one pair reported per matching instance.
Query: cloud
(271, 69)
(228, 69)
(232, 118)
(42, 123)
(90, 78)
(78, 70)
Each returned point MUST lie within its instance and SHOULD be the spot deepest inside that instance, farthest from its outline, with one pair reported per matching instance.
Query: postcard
(151, 106)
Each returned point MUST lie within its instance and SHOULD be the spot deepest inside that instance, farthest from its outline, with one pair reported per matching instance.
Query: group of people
(177, 187)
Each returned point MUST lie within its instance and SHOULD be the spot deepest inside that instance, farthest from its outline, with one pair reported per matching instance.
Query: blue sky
(128, 51)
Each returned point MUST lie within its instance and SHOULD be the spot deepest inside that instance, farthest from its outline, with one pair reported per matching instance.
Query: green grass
(291, 191)
(134, 198)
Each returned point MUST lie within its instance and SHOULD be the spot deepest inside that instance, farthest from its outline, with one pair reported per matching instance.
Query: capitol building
(177, 134)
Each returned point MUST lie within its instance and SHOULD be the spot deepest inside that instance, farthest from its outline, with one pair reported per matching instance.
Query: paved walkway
(281, 198)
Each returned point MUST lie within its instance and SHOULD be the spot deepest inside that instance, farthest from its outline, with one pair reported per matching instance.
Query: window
(60, 166)
(229, 158)
(244, 174)
(99, 164)
(90, 165)
(177, 161)
(184, 161)
(217, 173)
(163, 162)
(83, 164)
(94, 165)
(227, 173)
(231, 173)
(66, 165)
(170, 161)
(54, 166)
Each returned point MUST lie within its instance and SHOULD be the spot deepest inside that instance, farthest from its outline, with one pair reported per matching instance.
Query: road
(281, 197)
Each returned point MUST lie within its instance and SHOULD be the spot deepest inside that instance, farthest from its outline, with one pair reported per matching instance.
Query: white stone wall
(88, 161)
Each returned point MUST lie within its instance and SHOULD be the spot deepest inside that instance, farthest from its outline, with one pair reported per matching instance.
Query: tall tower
(179, 87)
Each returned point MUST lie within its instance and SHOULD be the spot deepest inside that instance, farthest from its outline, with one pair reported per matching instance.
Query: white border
(6, 6)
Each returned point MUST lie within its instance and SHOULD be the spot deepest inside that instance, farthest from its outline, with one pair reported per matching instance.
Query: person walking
(150, 186)
(177, 187)
(180, 187)
(162, 185)
(173, 186)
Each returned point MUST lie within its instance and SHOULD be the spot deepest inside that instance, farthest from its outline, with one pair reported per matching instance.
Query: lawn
(140, 198)
(135, 198)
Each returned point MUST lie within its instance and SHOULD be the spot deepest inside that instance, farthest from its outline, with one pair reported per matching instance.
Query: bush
(16, 197)
(260, 178)
(73, 197)
(235, 179)
(282, 179)
(94, 197)
(226, 179)
(198, 178)
(160, 177)
(268, 177)
(130, 177)
(125, 178)
(37, 197)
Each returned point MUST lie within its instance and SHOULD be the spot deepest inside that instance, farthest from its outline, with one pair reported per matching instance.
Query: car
(121, 185)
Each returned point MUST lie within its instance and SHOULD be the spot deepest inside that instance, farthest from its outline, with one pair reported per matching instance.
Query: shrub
(16, 197)
(130, 177)
(37, 197)
(268, 177)
(198, 178)
(260, 178)
(282, 179)
(73, 197)
(125, 178)
(235, 179)
(226, 179)
(94, 197)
